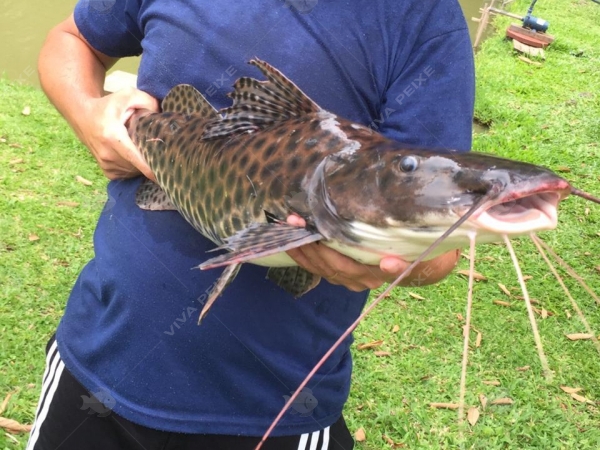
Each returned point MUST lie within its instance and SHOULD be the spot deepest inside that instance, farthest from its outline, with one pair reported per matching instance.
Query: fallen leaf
(382, 353)
(563, 169)
(14, 427)
(503, 401)
(503, 289)
(388, 440)
(15, 145)
(69, 204)
(597, 268)
(360, 435)
(15, 161)
(492, 383)
(417, 296)
(579, 336)
(580, 398)
(26, 111)
(527, 277)
(395, 329)
(570, 390)
(501, 303)
(473, 415)
(460, 317)
(586, 211)
(371, 344)
(5, 402)
(444, 405)
(523, 369)
(483, 400)
(476, 275)
(478, 339)
(542, 312)
(533, 301)
(34, 237)
(83, 181)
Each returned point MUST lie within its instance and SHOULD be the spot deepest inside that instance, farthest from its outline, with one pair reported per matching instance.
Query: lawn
(547, 114)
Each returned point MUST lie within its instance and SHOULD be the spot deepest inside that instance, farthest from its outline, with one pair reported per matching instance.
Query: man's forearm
(70, 72)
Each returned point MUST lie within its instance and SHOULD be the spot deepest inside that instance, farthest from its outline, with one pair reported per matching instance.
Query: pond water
(24, 26)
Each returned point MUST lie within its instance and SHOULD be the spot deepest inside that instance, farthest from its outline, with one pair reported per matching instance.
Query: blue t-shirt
(403, 67)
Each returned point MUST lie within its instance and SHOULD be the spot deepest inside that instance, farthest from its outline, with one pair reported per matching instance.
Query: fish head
(381, 194)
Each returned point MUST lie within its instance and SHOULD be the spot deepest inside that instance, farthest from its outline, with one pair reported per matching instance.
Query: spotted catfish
(236, 175)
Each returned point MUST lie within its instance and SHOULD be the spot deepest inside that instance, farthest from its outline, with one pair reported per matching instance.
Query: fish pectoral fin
(186, 99)
(294, 280)
(223, 281)
(260, 240)
(151, 197)
(259, 104)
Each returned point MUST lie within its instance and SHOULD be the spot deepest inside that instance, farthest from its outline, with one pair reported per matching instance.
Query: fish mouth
(520, 214)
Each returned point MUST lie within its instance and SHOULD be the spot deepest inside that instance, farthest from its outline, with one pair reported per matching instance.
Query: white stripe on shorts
(325, 439)
(302, 443)
(314, 439)
(56, 370)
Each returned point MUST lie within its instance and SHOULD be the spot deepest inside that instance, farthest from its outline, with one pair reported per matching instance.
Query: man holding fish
(129, 335)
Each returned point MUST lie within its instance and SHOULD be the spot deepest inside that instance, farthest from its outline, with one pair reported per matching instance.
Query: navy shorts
(62, 422)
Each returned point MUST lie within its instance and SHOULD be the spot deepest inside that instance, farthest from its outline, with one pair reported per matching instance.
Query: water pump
(534, 23)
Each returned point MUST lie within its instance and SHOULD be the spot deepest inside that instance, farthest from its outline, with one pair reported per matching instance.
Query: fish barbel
(235, 175)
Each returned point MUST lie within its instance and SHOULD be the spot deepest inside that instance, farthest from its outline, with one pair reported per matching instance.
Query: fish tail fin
(186, 99)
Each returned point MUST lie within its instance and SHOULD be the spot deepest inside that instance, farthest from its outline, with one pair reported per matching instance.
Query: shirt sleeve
(110, 26)
(430, 103)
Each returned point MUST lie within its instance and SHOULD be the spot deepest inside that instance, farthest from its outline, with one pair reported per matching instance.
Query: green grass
(547, 115)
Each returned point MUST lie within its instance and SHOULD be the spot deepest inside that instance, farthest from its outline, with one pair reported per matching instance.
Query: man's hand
(102, 129)
(340, 269)
(72, 74)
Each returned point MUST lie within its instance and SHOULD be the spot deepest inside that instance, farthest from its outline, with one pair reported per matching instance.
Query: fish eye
(409, 163)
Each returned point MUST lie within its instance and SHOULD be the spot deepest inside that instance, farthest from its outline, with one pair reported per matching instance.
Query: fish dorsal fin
(186, 99)
(259, 104)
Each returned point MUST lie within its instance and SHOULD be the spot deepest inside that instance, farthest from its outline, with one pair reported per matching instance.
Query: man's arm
(72, 75)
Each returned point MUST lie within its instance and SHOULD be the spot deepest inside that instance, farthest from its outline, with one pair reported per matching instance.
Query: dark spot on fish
(240, 195)
(314, 125)
(243, 162)
(253, 168)
(207, 201)
(236, 223)
(178, 174)
(276, 189)
(186, 183)
(223, 169)
(293, 163)
(258, 143)
(227, 203)
(313, 158)
(333, 144)
(310, 143)
(291, 145)
(218, 194)
(201, 185)
(212, 176)
(230, 181)
(281, 131)
(270, 151)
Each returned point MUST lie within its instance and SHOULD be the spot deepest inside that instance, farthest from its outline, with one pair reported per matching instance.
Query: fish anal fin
(260, 240)
(259, 104)
(224, 280)
(151, 197)
(186, 99)
(294, 280)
